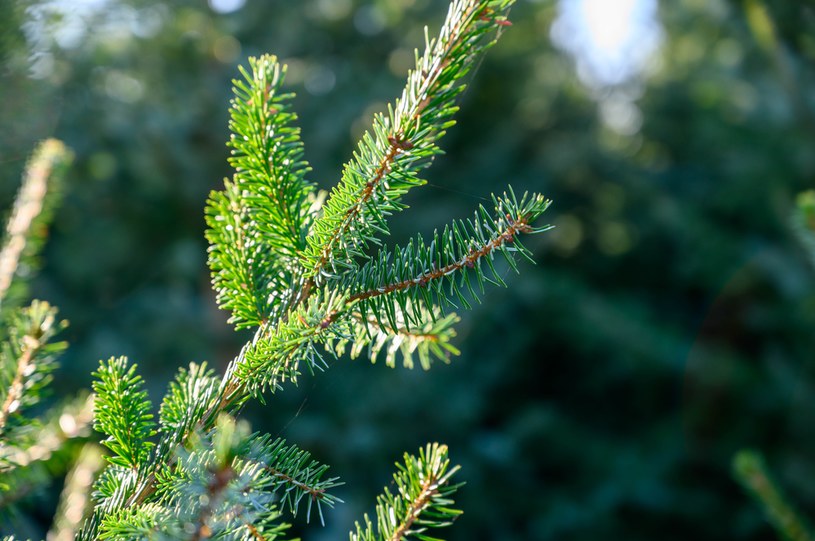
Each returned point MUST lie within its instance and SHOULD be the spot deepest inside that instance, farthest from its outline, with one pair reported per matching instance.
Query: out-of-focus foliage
(35, 447)
(751, 471)
(669, 322)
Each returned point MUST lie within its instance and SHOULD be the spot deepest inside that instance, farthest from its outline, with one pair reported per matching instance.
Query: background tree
(669, 324)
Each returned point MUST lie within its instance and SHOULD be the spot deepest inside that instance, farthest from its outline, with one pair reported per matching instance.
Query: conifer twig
(15, 390)
(385, 165)
(422, 500)
(50, 156)
(499, 239)
(29, 359)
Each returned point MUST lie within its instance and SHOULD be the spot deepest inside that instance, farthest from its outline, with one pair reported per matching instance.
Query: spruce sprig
(27, 359)
(122, 411)
(219, 487)
(189, 395)
(33, 450)
(258, 223)
(429, 339)
(292, 474)
(437, 272)
(388, 158)
(421, 500)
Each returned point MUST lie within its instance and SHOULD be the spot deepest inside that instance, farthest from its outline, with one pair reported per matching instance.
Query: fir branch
(422, 499)
(387, 160)
(32, 211)
(275, 355)
(238, 275)
(122, 412)
(111, 489)
(192, 405)
(258, 224)
(429, 339)
(139, 523)
(27, 359)
(268, 156)
(294, 473)
(189, 396)
(194, 388)
(413, 275)
(215, 489)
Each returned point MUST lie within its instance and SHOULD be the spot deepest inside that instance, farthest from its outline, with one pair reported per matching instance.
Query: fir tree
(310, 273)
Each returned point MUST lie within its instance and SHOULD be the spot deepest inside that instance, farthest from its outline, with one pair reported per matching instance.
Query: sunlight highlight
(611, 40)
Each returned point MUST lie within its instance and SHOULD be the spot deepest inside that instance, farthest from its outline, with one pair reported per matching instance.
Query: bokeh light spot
(567, 234)
(615, 238)
(611, 40)
(369, 20)
(226, 6)
(334, 10)
(320, 80)
(226, 49)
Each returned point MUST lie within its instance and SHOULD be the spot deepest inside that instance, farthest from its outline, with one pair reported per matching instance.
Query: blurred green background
(670, 320)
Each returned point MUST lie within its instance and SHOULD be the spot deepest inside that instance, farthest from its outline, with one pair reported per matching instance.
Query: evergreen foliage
(671, 324)
(421, 499)
(388, 159)
(29, 349)
(299, 272)
(27, 359)
(122, 411)
(27, 226)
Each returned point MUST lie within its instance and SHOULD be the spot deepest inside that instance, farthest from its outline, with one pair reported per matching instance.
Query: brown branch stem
(468, 261)
(15, 391)
(429, 489)
(315, 493)
(398, 143)
(351, 214)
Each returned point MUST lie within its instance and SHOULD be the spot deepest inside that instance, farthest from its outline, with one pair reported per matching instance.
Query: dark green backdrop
(670, 320)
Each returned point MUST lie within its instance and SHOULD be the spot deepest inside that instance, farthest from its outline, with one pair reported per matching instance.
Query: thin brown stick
(515, 227)
(429, 489)
(315, 493)
(15, 391)
(398, 143)
(351, 214)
